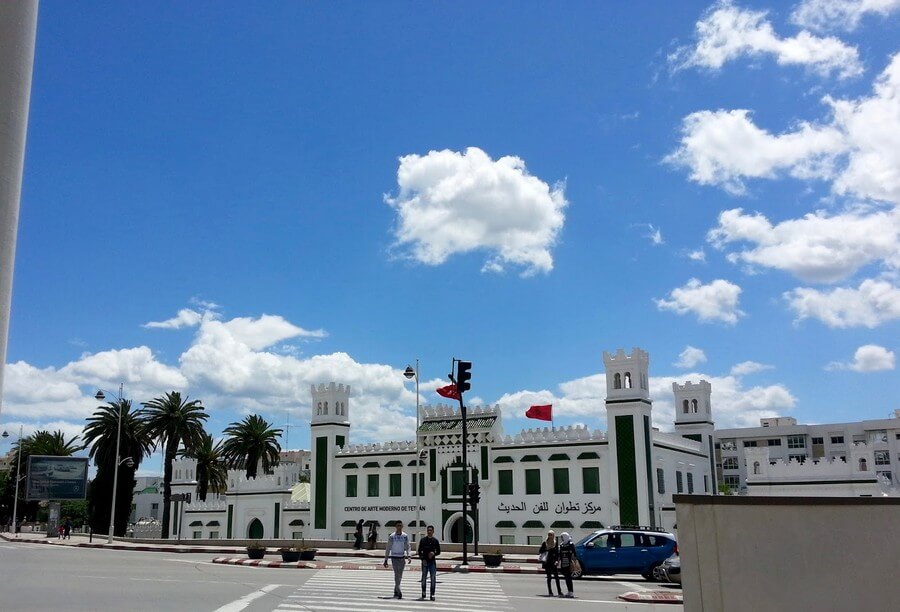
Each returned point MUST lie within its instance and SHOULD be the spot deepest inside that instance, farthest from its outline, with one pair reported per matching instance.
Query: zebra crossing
(346, 591)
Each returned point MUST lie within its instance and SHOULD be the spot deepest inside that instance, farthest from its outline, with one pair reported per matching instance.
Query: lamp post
(18, 469)
(410, 373)
(112, 511)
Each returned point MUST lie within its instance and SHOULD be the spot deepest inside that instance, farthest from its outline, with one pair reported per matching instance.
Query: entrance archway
(255, 530)
(454, 530)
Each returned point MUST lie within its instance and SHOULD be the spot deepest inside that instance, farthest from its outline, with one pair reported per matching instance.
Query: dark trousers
(429, 568)
(567, 574)
(357, 542)
(552, 572)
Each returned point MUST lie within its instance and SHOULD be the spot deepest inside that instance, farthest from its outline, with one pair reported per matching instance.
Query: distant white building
(147, 500)
(573, 479)
(836, 457)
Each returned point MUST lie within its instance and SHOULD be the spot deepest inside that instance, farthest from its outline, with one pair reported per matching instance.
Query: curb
(166, 549)
(653, 596)
(317, 565)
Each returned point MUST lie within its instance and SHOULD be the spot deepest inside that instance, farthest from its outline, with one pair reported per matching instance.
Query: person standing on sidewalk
(429, 549)
(358, 536)
(566, 561)
(373, 535)
(397, 550)
(549, 555)
(67, 529)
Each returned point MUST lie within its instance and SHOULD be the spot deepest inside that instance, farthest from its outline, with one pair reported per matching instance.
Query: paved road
(39, 578)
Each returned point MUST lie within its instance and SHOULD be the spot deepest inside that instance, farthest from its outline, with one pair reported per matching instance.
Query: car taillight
(676, 548)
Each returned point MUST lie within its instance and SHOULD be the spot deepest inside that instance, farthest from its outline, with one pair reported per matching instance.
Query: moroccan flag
(543, 413)
(449, 392)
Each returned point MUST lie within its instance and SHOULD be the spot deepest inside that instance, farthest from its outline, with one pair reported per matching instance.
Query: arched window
(756, 467)
(628, 380)
(324, 411)
(863, 467)
(318, 411)
(617, 381)
(694, 406)
(684, 405)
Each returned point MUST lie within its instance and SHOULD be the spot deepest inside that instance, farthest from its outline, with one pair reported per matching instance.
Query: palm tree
(101, 433)
(250, 442)
(171, 421)
(212, 475)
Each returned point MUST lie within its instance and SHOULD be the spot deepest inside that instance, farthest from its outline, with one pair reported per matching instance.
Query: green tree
(250, 443)
(172, 421)
(136, 443)
(212, 474)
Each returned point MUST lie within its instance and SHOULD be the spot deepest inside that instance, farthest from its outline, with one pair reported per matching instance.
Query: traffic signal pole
(461, 381)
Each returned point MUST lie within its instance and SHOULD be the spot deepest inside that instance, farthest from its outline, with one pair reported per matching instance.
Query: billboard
(56, 478)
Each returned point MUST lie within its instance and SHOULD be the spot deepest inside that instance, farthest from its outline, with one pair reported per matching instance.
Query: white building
(147, 500)
(787, 444)
(572, 479)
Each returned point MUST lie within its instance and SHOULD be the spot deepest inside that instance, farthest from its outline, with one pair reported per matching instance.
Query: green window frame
(561, 481)
(372, 485)
(505, 482)
(395, 485)
(352, 482)
(590, 479)
(533, 482)
(457, 482)
(418, 490)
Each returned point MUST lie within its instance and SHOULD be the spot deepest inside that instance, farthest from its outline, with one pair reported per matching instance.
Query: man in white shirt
(397, 550)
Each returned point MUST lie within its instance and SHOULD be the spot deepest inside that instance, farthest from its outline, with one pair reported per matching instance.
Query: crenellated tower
(693, 420)
(629, 430)
(329, 430)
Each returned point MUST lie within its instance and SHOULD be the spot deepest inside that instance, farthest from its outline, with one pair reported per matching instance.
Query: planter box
(309, 554)
(290, 556)
(256, 553)
(492, 560)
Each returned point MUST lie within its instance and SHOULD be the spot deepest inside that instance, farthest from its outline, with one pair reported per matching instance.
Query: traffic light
(463, 376)
(474, 493)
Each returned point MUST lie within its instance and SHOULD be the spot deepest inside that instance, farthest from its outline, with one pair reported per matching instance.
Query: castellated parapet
(691, 387)
(330, 402)
(561, 435)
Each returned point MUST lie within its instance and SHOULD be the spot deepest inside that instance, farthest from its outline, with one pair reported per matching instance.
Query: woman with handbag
(567, 561)
(548, 556)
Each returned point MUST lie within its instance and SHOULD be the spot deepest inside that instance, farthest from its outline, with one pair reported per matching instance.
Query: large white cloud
(816, 248)
(874, 302)
(727, 32)
(717, 301)
(734, 405)
(857, 149)
(451, 202)
(839, 14)
(867, 358)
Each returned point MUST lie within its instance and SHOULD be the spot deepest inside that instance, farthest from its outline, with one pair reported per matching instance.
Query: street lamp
(409, 373)
(18, 468)
(119, 461)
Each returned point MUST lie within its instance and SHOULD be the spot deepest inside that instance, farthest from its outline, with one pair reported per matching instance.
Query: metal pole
(112, 510)
(465, 462)
(418, 463)
(18, 468)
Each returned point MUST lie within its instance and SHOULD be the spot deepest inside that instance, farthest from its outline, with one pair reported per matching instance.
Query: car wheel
(649, 575)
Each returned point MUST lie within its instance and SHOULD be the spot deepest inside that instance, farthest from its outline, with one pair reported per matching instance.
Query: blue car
(624, 550)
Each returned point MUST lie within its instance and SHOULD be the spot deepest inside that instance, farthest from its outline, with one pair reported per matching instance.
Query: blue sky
(327, 191)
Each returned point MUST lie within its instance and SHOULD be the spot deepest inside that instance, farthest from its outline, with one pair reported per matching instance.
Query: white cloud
(816, 248)
(723, 147)
(267, 330)
(698, 255)
(654, 234)
(717, 301)
(874, 302)
(450, 203)
(858, 149)
(868, 358)
(690, 357)
(749, 367)
(185, 318)
(726, 33)
(839, 14)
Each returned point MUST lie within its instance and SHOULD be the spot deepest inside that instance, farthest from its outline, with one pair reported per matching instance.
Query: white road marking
(239, 604)
(634, 586)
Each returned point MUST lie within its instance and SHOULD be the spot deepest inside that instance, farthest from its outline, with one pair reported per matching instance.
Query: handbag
(576, 566)
(542, 557)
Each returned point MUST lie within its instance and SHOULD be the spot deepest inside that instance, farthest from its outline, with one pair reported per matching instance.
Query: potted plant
(289, 554)
(255, 550)
(493, 559)
(307, 553)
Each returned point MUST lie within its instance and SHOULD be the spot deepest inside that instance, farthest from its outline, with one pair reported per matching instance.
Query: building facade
(574, 479)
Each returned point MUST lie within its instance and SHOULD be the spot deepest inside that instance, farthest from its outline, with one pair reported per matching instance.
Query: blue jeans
(429, 568)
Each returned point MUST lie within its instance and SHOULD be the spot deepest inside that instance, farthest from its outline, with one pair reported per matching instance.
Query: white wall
(780, 553)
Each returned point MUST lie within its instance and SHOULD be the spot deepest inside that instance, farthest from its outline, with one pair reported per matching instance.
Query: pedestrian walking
(67, 529)
(566, 561)
(429, 549)
(373, 535)
(397, 550)
(358, 535)
(59, 531)
(549, 556)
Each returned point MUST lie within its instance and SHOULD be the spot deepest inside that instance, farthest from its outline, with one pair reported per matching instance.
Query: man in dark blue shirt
(429, 549)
